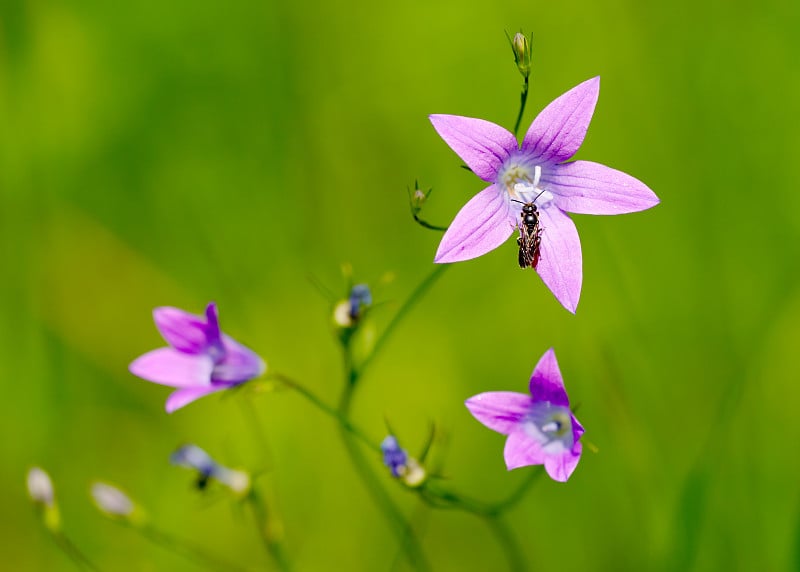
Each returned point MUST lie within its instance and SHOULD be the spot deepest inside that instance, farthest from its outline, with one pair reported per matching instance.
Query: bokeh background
(174, 153)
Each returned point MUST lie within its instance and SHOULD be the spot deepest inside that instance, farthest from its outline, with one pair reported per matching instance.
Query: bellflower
(541, 428)
(536, 171)
(200, 359)
(400, 464)
(195, 458)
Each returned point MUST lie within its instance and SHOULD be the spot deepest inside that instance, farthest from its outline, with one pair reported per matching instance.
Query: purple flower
(536, 171)
(394, 457)
(200, 359)
(541, 428)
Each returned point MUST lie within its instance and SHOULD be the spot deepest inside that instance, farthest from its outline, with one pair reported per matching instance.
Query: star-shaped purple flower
(536, 171)
(541, 428)
(200, 359)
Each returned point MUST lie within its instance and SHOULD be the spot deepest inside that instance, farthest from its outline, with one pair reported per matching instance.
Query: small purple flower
(195, 458)
(536, 171)
(394, 457)
(200, 359)
(541, 428)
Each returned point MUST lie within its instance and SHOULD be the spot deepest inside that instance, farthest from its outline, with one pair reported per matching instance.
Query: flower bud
(40, 487)
(193, 457)
(402, 467)
(348, 313)
(417, 197)
(521, 47)
(112, 502)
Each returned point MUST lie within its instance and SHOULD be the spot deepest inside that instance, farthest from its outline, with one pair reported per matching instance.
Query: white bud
(40, 487)
(111, 501)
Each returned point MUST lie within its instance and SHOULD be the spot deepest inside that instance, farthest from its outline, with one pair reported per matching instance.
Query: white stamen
(537, 174)
(552, 426)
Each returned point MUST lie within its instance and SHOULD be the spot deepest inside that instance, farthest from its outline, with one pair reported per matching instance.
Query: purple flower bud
(393, 456)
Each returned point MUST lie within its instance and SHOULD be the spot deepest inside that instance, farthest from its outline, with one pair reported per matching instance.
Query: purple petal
(483, 224)
(482, 145)
(213, 333)
(168, 366)
(178, 399)
(591, 188)
(560, 265)
(577, 429)
(546, 381)
(560, 465)
(239, 364)
(521, 450)
(183, 331)
(558, 131)
(500, 411)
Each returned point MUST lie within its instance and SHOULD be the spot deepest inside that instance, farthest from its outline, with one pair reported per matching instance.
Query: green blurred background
(173, 153)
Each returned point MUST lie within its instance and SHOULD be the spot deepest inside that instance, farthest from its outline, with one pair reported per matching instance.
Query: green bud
(417, 197)
(521, 46)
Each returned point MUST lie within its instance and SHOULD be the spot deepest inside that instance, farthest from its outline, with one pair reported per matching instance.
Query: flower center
(521, 182)
(548, 423)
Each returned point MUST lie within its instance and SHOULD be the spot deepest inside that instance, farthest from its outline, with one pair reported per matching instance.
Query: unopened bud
(521, 46)
(40, 487)
(112, 502)
(417, 197)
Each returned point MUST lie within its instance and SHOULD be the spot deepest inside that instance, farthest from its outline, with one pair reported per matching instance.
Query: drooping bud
(417, 197)
(114, 503)
(521, 46)
(193, 457)
(40, 489)
(348, 313)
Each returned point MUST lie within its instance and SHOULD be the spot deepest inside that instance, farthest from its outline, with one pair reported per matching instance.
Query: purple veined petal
(168, 366)
(213, 333)
(481, 144)
(500, 411)
(185, 396)
(483, 224)
(560, 264)
(183, 331)
(561, 465)
(521, 450)
(239, 364)
(558, 131)
(546, 381)
(591, 188)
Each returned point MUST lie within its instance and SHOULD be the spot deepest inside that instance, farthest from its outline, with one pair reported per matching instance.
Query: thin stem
(415, 296)
(184, 548)
(506, 538)
(523, 99)
(428, 225)
(268, 530)
(408, 541)
(73, 552)
(327, 409)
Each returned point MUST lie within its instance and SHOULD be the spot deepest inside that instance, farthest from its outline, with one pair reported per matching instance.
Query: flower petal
(168, 366)
(500, 411)
(560, 265)
(561, 465)
(577, 430)
(178, 399)
(213, 333)
(521, 450)
(546, 381)
(558, 131)
(482, 145)
(483, 224)
(591, 188)
(239, 364)
(183, 331)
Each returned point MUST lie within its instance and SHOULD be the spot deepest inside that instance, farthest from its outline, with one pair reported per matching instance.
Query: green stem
(269, 534)
(73, 552)
(415, 296)
(428, 225)
(506, 538)
(184, 548)
(523, 99)
(327, 409)
(408, 541)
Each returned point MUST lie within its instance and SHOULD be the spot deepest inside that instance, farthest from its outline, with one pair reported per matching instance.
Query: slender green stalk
(269, 530)
(415, 296)
(408, 540)
(184, 548)
(506, 538)
(73, 552)
(523, 99)
(426, 224)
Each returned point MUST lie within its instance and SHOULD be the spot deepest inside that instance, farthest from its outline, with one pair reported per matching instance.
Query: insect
(530, 235)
